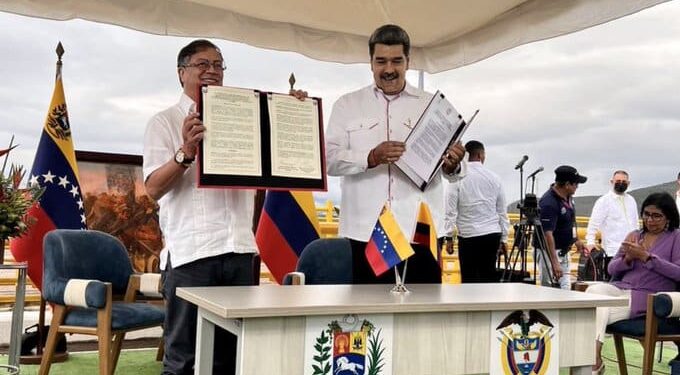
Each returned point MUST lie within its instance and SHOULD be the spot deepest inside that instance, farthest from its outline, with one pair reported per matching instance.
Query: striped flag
(287, 224)
(424, 234)
(54, 169)
(387, 246)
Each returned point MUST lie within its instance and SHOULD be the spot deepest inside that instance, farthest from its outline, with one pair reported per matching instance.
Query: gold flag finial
(291, 80)
(60, 51)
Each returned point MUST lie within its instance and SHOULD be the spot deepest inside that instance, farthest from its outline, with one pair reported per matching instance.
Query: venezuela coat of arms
(350, 346)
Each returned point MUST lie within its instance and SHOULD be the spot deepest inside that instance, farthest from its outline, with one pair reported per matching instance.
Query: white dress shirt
(196, 223)
(476, 205)
(614, 216)
(677, 199)
(359, 122)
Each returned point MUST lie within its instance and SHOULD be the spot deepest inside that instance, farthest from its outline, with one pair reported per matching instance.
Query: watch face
(179, 156)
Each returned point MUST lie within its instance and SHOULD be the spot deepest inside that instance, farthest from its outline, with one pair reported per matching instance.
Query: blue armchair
(661, 323)
(83, 270)
(323, 261)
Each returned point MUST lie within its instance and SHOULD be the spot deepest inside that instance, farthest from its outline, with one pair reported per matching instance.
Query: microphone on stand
(534, 173)
(521, 162)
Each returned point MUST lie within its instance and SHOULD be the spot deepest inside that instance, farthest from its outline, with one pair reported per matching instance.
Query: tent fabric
(445, 34)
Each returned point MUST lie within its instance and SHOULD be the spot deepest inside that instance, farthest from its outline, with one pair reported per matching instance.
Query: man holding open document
(365, 137)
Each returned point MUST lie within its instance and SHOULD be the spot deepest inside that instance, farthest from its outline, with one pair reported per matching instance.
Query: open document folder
(438, 126)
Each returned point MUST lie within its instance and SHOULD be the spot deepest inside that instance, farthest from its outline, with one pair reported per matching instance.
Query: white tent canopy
(445, 34)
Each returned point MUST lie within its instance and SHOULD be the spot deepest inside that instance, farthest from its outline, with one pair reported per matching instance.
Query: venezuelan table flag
(54, 169)
(387, 246)
(424, 234)
(287, 224)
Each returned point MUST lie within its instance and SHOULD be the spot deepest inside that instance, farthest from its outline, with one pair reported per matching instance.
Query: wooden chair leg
(104, 337)
(620, 355)
(57, 318)
(115, 350)
(648, 356)
(161, 350)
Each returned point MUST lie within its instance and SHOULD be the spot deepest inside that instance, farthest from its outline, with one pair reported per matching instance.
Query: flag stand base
(400, 289)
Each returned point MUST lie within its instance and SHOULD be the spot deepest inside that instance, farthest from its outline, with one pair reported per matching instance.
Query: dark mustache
(388, 76)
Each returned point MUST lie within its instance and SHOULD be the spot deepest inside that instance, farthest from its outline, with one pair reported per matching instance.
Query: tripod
(528, 232)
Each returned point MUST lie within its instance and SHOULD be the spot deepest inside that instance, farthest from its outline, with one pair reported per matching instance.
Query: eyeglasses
(652, 216)
(204, 65)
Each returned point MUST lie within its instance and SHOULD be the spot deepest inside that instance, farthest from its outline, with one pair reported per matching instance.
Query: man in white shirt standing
(365, 135)
(476, 206)
(614, 215)
(207, 233)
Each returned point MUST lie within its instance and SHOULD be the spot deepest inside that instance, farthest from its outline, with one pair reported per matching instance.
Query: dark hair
(474, 147)
(664, 202)
(192, 48)
(389, 35)
(620, 171)
(678, 175)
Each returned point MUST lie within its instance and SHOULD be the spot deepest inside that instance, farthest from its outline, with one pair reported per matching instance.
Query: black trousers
(179, 328)
(422, 267)
(477, 256)
(606, 275)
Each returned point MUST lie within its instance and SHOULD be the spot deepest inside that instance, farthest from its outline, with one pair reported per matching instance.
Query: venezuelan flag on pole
(287, 224)
(387, 246)
(54, 169)
(424, 234)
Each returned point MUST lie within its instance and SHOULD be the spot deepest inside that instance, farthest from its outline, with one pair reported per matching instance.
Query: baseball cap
(567, 173)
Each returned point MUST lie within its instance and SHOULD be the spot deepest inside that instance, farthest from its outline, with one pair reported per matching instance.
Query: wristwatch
(182, 159)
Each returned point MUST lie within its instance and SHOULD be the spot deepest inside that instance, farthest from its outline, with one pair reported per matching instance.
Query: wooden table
(438, 329)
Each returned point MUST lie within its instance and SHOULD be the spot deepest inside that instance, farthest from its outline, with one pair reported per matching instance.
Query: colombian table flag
(387, 246)
(287, 224)
(424, 234)
(54, 169)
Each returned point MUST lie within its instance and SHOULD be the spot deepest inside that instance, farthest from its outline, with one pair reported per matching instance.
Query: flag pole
(4, 163)
(58, 357)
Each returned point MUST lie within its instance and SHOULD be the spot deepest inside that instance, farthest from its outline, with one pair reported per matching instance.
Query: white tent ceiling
(445, 34)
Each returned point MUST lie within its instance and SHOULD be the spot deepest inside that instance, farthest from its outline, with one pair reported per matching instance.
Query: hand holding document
(438, 127)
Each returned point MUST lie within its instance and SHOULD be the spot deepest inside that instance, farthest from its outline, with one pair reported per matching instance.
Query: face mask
(620, 187)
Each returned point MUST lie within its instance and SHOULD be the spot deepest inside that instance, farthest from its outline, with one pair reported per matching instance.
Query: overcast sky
(601, 99)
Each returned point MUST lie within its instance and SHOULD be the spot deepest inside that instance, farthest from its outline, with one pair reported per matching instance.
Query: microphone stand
(521, 190)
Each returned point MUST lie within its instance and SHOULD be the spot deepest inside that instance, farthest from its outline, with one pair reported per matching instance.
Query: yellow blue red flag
(288, 222)
(54, 169)
(425, 234)
(387, 246)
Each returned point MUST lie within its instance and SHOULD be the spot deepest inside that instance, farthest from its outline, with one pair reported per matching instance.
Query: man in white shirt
(475, 206)
(207, 233)
(614, 215)
(365, 135)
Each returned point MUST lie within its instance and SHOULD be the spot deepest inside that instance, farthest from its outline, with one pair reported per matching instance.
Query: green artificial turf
(137, 362)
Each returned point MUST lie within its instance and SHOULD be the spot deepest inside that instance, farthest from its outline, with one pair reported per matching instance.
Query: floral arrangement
(15, 201)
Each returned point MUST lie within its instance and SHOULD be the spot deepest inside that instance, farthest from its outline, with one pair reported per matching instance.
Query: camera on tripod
(528, 207)
(528, 234)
